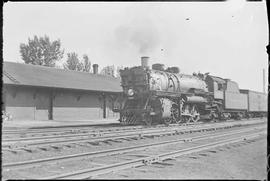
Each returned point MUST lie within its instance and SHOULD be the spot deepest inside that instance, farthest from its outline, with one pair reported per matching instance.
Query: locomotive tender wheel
(239, 116)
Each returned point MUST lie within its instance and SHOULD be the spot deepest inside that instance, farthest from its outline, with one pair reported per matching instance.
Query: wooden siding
(30, 103)
(26, 103)
(77, 106)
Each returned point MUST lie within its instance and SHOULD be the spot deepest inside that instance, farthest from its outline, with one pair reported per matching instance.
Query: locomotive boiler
(161, 95)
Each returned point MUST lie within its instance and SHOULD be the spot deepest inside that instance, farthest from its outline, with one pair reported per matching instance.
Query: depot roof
(41, 76)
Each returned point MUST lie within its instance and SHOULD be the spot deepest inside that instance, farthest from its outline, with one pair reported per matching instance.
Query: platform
(17, 124)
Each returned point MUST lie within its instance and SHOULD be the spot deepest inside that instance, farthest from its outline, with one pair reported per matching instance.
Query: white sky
(227, 39)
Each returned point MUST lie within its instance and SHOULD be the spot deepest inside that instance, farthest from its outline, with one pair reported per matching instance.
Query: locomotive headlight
(130, 92)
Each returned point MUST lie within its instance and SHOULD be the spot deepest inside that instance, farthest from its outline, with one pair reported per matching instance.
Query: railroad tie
(151, 160)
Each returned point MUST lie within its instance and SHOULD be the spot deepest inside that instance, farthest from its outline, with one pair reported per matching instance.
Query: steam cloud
(141, 35)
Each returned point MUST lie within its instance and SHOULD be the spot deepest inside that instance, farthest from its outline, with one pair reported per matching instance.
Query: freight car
(257, 103)
(161, 95)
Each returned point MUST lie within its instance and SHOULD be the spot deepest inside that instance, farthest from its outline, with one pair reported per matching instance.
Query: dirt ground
(243, 160)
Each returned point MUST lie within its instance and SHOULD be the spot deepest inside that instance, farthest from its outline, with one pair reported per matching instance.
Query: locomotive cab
(231, 103)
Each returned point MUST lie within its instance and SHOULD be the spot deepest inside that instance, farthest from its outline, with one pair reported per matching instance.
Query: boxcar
(235, 101)
(257, 101)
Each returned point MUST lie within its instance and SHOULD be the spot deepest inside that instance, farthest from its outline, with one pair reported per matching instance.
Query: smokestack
(264, 81)
(95, 68)
(145, 62)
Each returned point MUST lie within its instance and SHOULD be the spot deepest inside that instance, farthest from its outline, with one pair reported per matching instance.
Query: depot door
(42, 105)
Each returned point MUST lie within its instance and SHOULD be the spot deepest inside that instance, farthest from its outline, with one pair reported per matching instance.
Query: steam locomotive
(160, 95)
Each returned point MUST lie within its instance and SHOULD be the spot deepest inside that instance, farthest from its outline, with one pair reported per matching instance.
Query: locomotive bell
(145, 62)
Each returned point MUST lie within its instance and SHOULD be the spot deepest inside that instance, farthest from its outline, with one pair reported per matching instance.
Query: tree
(108, 70)
(87, 64)
(74, 63)
(41, 51)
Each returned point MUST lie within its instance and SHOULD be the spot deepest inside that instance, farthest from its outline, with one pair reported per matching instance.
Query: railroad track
(187, 145)
(90, 173)
(58, 133)
(39, 134)
(92, 133)
(25, 144)
(35, 132)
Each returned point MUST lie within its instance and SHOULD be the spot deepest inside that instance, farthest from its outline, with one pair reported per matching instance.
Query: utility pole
(264, 81)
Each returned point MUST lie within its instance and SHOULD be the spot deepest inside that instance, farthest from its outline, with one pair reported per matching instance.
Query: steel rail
(123, 149)
(127, 135)
(98, 133)
(92, 133)
(87, 137)
(76, 127)
(89, 173)
(100, 130)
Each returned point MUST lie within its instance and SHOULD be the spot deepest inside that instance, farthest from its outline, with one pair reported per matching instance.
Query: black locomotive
(160, 95)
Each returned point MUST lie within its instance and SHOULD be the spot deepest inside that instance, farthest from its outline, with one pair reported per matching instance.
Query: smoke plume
(140, 33)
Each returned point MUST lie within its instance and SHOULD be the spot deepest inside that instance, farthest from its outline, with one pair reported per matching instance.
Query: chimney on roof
(95, 68)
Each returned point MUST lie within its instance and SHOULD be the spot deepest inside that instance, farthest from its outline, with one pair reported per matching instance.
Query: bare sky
(227, 39)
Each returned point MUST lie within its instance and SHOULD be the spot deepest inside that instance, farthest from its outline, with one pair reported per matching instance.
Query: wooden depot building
(32, 92)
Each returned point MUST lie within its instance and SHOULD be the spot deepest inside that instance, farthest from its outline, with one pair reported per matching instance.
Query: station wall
(70, 105)
(32, 103)
(25, 103)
